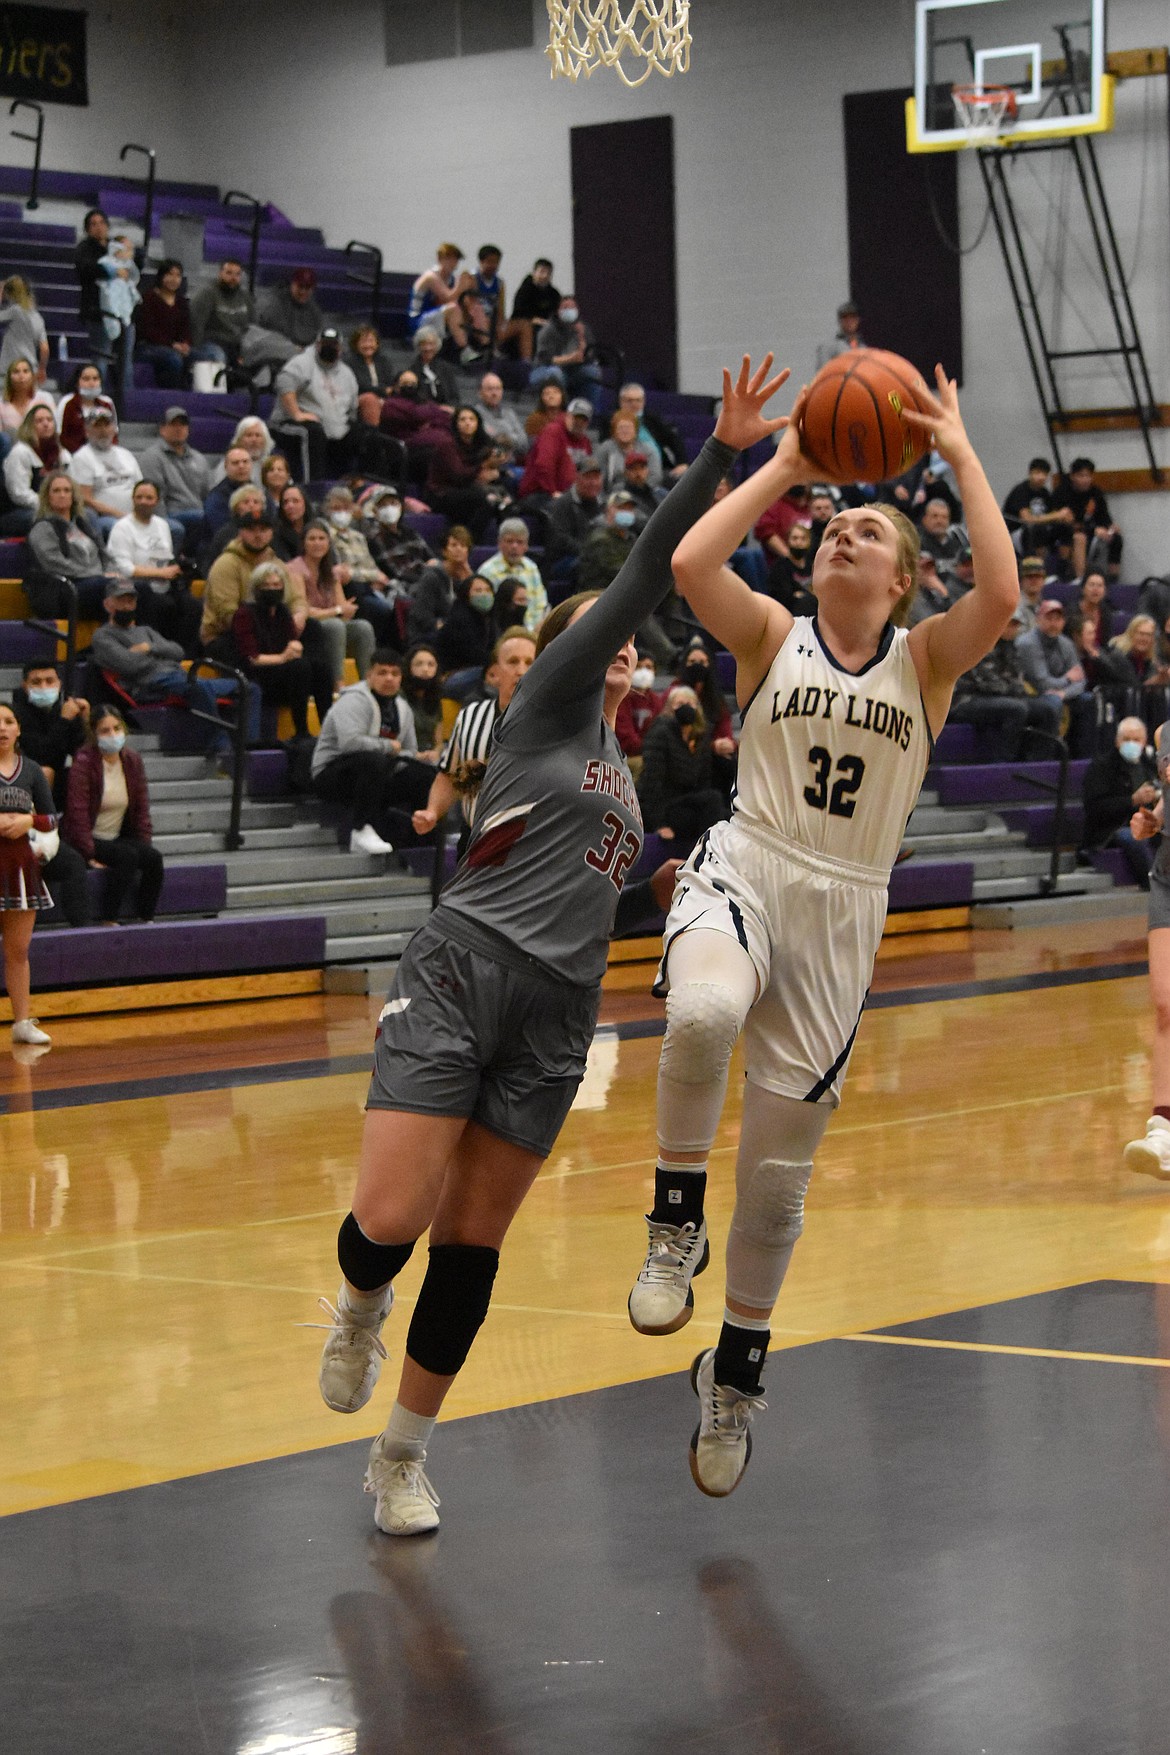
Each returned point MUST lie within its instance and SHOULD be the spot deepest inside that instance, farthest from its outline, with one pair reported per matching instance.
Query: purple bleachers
(431, 526)
(1001, 782)
(13, 558)
(932, 884)
(1113, 861)
(1038, 821)
(102, 956)
(955, 743)
(84, 185)
(18, 643)
(187, 889)
(150, 403)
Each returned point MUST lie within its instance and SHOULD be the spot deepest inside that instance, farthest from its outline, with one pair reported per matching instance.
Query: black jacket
(670, 769)
(47, 738)
(85, 260)
(1108, 793)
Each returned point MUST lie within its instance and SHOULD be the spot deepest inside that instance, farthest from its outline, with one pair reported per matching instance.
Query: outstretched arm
(944, 646)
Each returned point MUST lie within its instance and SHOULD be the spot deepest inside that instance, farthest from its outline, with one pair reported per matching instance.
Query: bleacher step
(995, 838)
(322, 893)
(292, 843)
(1058, 910)
(372, 947)
(371, 976)
(257, 864)
(1074, 881)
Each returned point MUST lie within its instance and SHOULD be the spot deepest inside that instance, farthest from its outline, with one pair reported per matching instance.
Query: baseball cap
(98, 411)
(621, 497)
(587, 464)
(329, 334)
(123, 588)
(579, 405)
(636, 457)
(1033, 564)
(848, 309)
(176, 412)
(1050, 603)
(254, 521)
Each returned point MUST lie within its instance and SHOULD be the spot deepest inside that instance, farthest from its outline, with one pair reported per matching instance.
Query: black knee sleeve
(368, 1265)
(451, 1305)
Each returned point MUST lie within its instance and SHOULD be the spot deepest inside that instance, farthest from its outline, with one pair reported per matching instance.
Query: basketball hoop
(584, 34)
(983, 110)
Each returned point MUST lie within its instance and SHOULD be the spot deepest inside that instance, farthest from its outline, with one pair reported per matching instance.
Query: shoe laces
(340, 1323)
(670, 1249)
(732, 1410)
(406, 1473)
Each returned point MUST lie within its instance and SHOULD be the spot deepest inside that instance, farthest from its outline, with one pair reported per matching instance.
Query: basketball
(852, 424)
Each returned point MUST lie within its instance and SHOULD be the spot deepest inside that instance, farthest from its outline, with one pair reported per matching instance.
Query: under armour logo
(804, 651)
(674, 1197)
(755, 1354)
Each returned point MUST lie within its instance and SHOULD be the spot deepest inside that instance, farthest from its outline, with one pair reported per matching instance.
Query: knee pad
(702, 1022)
(366, 1264)
(769, 1204)
(451, 1306)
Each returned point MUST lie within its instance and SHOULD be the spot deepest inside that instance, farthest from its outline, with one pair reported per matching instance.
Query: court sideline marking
(993, 1347)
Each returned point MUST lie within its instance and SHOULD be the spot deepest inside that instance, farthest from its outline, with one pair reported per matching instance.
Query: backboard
(1049, 53)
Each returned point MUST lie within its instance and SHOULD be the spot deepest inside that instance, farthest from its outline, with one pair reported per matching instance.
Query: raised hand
(742, 421)
(943, 419)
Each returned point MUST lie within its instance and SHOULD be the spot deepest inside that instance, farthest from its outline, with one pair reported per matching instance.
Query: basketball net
(584, 34)
(983, 111)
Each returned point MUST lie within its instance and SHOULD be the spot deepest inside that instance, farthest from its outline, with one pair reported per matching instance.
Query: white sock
(368, 1308)
(761, 1324)
(407, 1435)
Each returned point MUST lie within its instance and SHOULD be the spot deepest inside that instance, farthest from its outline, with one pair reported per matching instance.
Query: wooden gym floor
(953, 1533)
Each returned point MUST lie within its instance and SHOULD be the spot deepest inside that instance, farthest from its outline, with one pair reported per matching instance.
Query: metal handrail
(148, 153)
(37, 139)
(375, 280)
(252, 230)
(1050, 880)
(69, 637)
(239, 730)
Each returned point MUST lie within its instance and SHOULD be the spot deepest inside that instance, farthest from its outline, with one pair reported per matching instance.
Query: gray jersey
(1162, 858)
(557, 823)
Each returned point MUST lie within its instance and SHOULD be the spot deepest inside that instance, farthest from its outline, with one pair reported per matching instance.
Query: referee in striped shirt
(471, 735)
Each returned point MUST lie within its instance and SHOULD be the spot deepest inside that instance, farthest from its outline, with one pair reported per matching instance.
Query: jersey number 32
(617, 852)
(841, 800)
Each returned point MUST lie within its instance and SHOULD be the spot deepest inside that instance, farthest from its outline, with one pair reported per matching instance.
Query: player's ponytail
(909, 549)
(558, 619)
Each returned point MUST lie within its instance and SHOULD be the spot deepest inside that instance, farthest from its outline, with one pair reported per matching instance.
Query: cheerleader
(26, 805)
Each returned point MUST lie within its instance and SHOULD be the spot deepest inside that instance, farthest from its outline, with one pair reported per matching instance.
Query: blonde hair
(19, 292)
(909, 549)
(558, 619)
(1124, 640)
(44, 510)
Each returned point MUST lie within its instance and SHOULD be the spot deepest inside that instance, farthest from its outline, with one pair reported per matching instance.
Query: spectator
(698, 674)
(418, 425)
(510, 608)
(119, 298)
(423, 694)
(637, 711)
(434, 594)
(370, 362)
(107, 818)
(51, 733)
(550, 468)
(603, 555)
(1031, 509)
(1089, 624)
(465, 756)
(247, 502)
(433, 296)
(25, 807)
(1049, 662)
(1033, 583)
(85, 390)
(511, 562)
(611, 453)
(1117, 784)
(501, 422)
(65, 543)
(656, 437)
(360, 574)
(163, 325)
(24, 328)
(571, 517)
(341, 626)
(228, 582)
(566, 353)
(104, 470)
(251, 435)
(551, 404)
(87, 260)
(536, 300)
(464, 641)
(848, 337)
(933, 595)
(141, 548)
(993, 696)
(398, 551)
(940, 538)
(366, 757)
(237, 473)
(772, 528)
(1096, 540)
(220, 314)
(275, 476)
(456, 485)
(149, 668)
(181, 475)
(20, 397)
(1154, 599)
(318, 399)
(435, 379)
(928, 479)
(790, 575)
(823, 504)
(647, 499)
(488, 289)
(292, 309)
(267, 637)
(295, 511)
(1130, 669)
(473, 322)
(677, 786)
(37, 452)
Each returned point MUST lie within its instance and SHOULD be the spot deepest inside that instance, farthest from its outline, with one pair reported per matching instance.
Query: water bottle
(62, 350)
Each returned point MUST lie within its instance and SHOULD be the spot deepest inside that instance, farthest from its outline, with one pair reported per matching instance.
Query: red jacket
(84, 799)
(551, 467)
(634, 716)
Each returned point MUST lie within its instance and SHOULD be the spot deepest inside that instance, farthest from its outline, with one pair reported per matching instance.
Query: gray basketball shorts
(463, 1035)
(1159, 902)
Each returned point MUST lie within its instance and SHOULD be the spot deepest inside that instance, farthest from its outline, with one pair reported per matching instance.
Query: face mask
(482, 601)
(568, 314)
(624, 519)
(270, 597)
(696, 675)
(111, 743)
(643, 677)
(329, 353)
(342, 520)
(1131, 750)
(410, 391)
(686, 714)
(389, 514)
(50, 697)
(124, 617)
(89, 391)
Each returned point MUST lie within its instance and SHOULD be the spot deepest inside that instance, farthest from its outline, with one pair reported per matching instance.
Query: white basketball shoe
(662, 1300)
(352, 1356)
(405, 1503)
(1151, 1156)
(722, 1442)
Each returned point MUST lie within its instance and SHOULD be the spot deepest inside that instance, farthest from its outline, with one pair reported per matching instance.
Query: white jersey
(833, 761)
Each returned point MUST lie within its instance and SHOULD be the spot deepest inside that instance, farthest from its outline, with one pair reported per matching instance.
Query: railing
(148, 217)
(1049, 882)
(37, 140)
(239, 730)
(251, 231)
(68, 638)
(373, 281)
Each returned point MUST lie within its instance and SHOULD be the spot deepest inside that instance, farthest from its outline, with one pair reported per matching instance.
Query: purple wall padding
(955, 743)
(187, 889)
(999, 782)
(18, 643)
(267, 775)
(1037, 821)
(948, 885)
(1113, 861)
(98, 956)
(13, 558)
(429, 525)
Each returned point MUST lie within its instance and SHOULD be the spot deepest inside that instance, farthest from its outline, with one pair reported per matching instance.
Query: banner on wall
(42, 55)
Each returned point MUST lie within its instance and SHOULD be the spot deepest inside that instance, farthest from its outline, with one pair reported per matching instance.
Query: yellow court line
(1024, 1352)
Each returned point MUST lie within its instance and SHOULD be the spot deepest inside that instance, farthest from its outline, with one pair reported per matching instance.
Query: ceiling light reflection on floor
(327, 1740)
